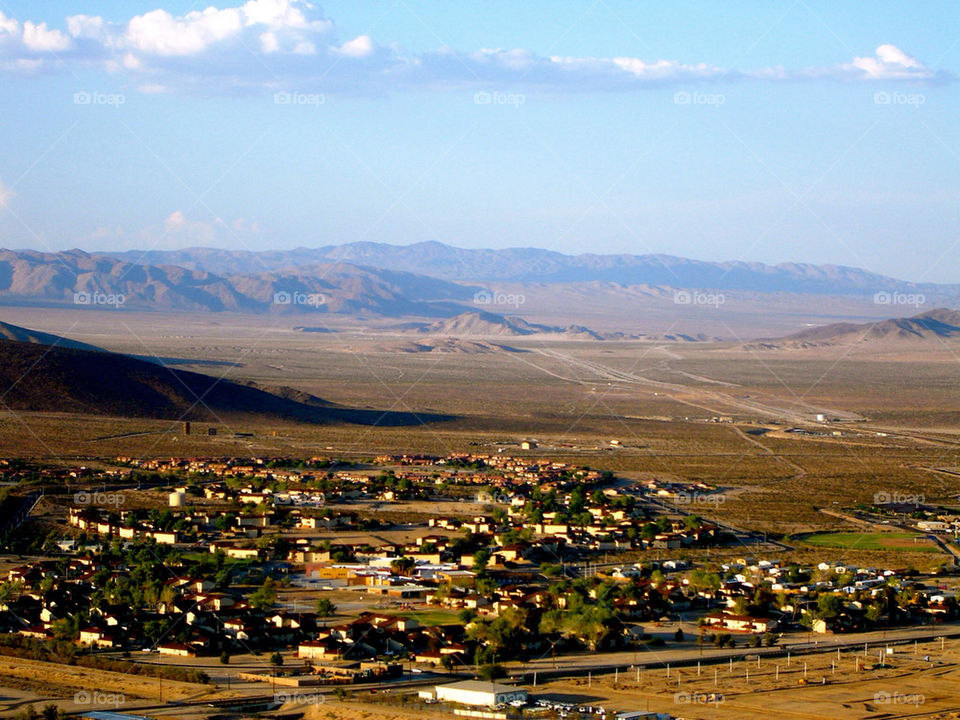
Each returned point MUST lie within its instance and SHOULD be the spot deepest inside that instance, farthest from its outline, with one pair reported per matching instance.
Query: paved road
(689, 653)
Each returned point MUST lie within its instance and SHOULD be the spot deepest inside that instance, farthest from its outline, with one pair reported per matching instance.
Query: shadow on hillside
(383, 418)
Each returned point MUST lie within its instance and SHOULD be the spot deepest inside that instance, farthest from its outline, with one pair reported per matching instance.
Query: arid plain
(727, 413)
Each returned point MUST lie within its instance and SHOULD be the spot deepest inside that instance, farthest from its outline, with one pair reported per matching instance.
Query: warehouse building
(479, 693)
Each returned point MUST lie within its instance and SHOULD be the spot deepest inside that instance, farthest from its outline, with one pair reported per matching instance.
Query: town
(467, 572)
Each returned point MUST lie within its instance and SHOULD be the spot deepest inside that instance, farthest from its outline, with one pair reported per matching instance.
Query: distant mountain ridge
(85, 280)
(526, 265)
(40, 377)
(932, 328)
(628, 297)
(479, 323)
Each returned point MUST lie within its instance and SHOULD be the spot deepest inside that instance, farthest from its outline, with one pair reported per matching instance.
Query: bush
(491, 672)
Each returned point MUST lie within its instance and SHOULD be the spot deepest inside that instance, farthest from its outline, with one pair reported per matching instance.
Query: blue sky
(772, 132)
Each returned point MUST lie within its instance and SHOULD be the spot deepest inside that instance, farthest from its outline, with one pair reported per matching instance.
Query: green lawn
(872, 541)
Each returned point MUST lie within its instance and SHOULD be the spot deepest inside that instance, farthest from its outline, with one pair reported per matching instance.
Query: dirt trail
(800, 473)
(715, 401)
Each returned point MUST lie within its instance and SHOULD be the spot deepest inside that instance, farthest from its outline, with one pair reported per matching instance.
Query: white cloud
(6, 194)
(86, 26)
(175, 221)
(288, 44)
(360, 47)
(39, 38)
(180, 230)
(160, 33)
(891, 63)
(9, 28)
(24, 45)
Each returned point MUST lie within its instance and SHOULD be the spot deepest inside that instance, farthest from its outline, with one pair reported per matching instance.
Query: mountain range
(535, 265)
(933, 328)
(446, 290)
(40, 372)
(83, 279)
(479, 323)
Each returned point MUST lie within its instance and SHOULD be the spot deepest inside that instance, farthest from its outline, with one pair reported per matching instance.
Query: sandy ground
(921, 682)
(912, 687)
(348, 710)
(77, 688)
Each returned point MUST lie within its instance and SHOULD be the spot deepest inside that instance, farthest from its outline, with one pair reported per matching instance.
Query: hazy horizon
(780, 133)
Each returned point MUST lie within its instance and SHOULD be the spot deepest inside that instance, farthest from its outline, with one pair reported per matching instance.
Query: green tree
(265, 597)
(491, 672)
(10, 592)
(52, 712)
(402, 565)
(326, 608)
(480, 560)
(829, 606)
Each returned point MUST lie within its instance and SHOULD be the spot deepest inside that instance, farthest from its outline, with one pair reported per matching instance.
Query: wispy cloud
(273, 44)
(6, 194)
